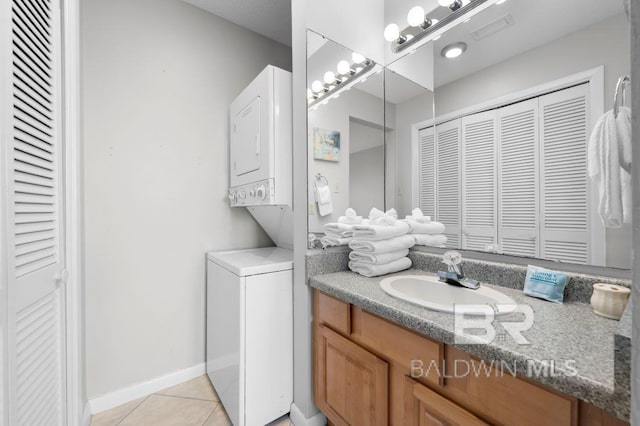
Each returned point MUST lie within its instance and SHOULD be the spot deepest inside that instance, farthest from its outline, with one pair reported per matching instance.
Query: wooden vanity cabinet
(363, 376)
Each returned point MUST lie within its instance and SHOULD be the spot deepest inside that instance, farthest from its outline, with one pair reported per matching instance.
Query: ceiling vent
(493, 27)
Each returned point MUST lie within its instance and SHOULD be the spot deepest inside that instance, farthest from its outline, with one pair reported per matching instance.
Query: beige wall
(158, 78)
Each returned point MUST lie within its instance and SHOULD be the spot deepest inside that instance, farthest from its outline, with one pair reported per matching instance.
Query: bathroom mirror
(501, 160)
(345, 124)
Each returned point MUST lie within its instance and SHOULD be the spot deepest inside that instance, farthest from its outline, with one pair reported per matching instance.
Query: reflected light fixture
(423, 28)
(453, 50)
(453, 5)
(348, 75)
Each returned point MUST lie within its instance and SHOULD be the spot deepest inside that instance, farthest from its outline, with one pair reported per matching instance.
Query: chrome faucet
(455, 276)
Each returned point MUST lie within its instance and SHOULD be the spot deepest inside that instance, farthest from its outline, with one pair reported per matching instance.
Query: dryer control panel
(253, 194)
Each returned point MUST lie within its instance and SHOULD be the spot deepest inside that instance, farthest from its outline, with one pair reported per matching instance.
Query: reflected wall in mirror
(345, 125)
(503, 161)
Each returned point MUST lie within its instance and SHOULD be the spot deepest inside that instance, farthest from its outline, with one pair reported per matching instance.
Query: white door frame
(77, 406)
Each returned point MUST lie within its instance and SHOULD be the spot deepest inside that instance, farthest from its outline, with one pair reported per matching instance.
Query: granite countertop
(572, 342)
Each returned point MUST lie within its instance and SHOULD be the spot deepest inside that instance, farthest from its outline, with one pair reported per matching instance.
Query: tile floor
(194, 402)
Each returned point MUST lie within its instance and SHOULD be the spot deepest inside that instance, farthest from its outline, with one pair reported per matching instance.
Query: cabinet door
(351, 384)
(433, 409)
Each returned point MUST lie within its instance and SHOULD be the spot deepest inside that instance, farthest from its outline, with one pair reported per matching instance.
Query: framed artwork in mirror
(326, 144)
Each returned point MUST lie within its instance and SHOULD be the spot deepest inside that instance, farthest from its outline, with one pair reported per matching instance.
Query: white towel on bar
(609, 151)
(323, 198)
(332, 241)
(384, 246)
(432, 228)
(378, 259)
(370, 270)
(380, 232)
(341, 230)
(430, 240)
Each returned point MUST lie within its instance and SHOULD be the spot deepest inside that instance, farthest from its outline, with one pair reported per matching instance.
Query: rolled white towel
(384, 220)
(421, 219)
(430, 240)
(375, 213)
(392, 212)
(350, 220)
(380, 232)
(384, 246)
(378, 259)
(338, 230)
(332, 241)
(369, 270)
(432, 228)
(417, 212)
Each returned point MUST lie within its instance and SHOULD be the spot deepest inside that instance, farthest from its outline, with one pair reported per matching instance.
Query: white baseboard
(133, 392)
(299, 419)
(86, 414)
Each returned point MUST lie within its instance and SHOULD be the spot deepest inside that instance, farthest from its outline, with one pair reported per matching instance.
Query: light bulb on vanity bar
(343, 68)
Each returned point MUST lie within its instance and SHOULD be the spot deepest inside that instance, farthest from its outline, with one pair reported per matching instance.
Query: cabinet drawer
(332, 312)
(506, 399)
(405, 348)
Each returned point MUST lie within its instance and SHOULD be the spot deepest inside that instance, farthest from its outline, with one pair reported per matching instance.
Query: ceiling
(271, 18)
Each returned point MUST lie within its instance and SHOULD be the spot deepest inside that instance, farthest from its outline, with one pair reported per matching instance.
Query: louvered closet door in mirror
(518, 179)
(427, 172)
(33, 205)
(448, 180)
(479, 174)
(566, 208)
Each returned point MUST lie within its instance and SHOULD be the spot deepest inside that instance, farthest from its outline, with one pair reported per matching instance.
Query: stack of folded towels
(424, 231)
(340, 233)
(380, 245)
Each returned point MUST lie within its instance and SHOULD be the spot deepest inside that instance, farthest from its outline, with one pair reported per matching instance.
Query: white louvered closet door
(427, 172)
(32, 152)
(479, 175)
(565, 202)
(518, 184)
(448, 180)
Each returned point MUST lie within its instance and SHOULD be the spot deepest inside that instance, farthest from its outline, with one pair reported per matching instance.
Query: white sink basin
(433, 294)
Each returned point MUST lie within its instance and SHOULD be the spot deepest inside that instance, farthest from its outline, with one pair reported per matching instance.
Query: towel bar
(620, 96)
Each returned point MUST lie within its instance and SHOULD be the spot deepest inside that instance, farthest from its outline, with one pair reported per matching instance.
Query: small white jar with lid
(609, 300)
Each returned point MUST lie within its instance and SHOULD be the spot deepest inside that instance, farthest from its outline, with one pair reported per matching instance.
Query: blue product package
(545, 283)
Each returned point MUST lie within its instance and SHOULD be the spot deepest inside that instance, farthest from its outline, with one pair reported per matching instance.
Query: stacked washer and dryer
(250, 292)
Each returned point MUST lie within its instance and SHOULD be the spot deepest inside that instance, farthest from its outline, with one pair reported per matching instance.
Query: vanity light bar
(344, 81)
(431, 28)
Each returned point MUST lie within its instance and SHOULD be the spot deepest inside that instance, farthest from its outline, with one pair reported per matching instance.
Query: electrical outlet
(336, 188)
(312, 209)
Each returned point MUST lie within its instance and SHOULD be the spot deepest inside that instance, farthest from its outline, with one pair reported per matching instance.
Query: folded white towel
(392, 212)
(378, 259)
(384, 246)
(425, 228)
(329, 241)
(323, 197)
(380, 232)
(417, 212)
(609, 158)
(342, 230)
(430, 240)
(369, 270)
